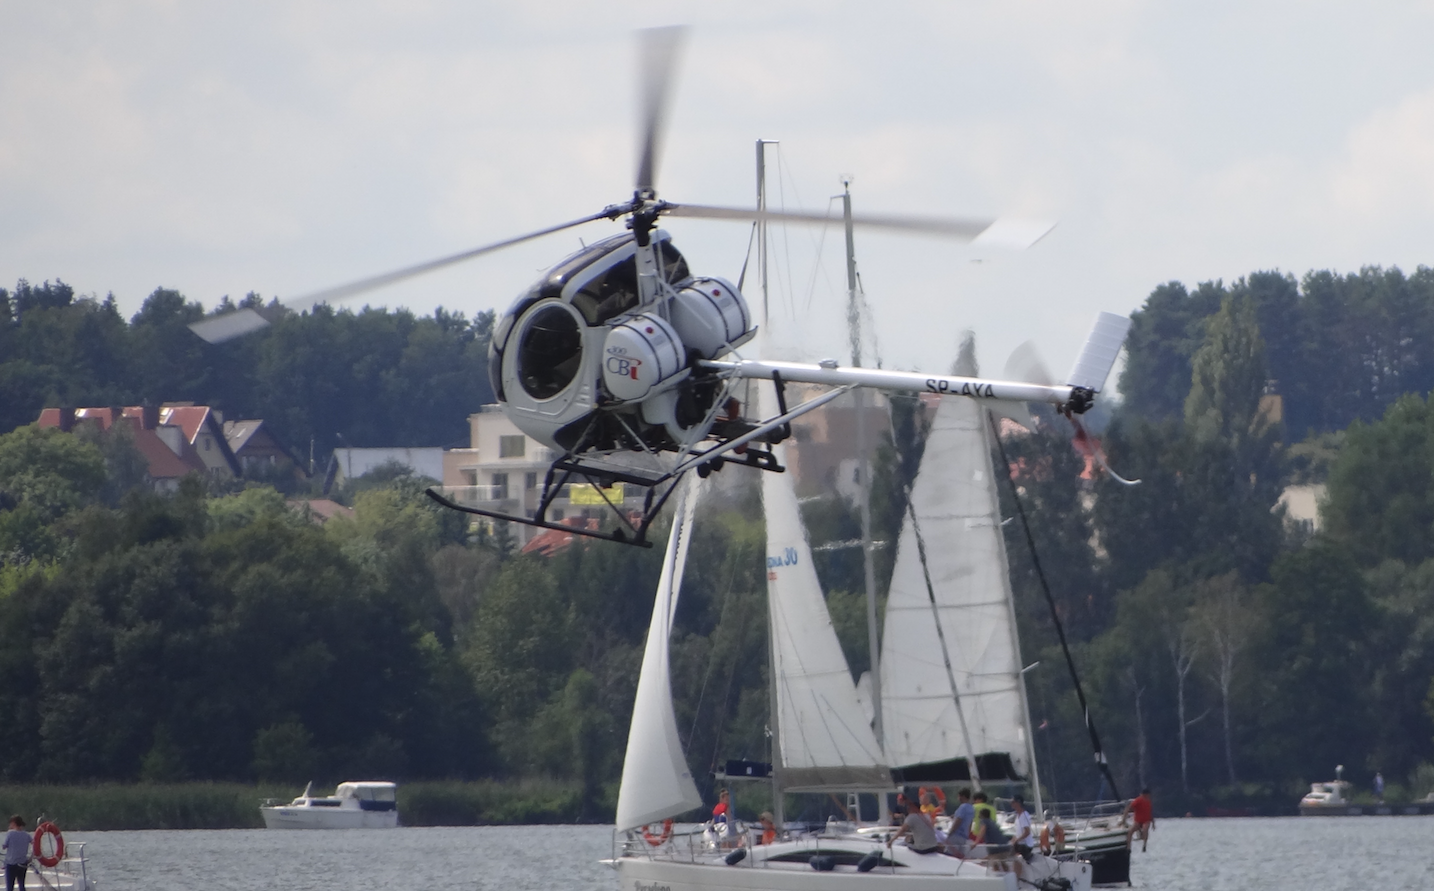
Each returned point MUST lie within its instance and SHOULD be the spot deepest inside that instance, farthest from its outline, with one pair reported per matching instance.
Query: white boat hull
(327, 818)
(914, 872)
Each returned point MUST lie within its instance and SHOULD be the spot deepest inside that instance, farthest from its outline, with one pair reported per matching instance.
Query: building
(165, 440)
(503, 470)
(822, 451)
(258, 451)
(354, 463)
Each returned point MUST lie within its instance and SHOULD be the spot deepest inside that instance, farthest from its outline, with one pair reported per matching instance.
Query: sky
(281, 147)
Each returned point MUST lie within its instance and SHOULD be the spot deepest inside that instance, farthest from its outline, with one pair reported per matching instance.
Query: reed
(113, 806)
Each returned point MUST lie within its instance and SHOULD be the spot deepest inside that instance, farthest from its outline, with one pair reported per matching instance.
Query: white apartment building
(503, 470)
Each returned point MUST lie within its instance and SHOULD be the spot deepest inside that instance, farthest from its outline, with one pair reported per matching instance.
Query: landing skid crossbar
(619, 536)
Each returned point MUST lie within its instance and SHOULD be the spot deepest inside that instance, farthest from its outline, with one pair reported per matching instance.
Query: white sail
(824, 741)
(656, 782)
(957, 516)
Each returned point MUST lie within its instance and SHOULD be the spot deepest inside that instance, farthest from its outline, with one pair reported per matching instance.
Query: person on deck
(769, 828)
(1053, 834)
(984, 811)
(959, 838)
(1142, 810)
(17, 853)
(720, 813)
(923, 834)
(1024, 842)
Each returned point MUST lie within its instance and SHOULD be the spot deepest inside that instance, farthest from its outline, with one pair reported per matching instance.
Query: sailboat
(823, 742)
(953, 697)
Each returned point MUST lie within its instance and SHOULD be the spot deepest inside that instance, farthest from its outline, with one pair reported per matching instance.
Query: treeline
(367, 378)
(1233, 657)
(1230, 656)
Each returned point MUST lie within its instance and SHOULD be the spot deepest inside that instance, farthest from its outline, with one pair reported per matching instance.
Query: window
(530, 481)
(550, 349)
(512, 446)
(500, 486)
(470, 477)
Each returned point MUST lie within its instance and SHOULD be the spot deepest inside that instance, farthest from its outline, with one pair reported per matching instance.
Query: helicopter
(625, 363)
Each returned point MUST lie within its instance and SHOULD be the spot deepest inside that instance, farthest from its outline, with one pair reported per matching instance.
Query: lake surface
(1327, 853)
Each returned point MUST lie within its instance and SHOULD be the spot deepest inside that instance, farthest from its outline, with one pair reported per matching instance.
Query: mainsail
(655, 780)
(950, 598)
(824, 741)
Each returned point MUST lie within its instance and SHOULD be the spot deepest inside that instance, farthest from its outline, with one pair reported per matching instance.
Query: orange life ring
(44, 829)
(657, 838)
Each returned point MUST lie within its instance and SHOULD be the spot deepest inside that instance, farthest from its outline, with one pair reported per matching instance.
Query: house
(203, 429)
(167, 449)
(257, 450)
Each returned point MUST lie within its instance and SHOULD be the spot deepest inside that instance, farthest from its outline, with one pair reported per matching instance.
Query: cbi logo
(622, 365)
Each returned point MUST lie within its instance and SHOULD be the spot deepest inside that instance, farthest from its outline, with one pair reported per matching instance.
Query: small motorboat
(354, 805)
(1330, 798)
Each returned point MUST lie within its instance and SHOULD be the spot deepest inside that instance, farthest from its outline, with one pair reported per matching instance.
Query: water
(1327, 853)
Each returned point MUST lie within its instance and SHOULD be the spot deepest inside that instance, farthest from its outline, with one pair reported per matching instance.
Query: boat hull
(791, 871)
(327, 818)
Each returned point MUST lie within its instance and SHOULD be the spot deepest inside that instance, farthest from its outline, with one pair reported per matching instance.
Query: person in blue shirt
(959, 838)
(17, 853)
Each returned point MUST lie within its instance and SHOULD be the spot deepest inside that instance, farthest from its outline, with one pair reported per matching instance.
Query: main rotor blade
(218, 329)
(660, 48)
(998, 233)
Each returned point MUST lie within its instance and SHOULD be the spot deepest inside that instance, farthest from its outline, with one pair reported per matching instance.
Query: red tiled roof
(321, 510)
(163, 462)
(551, 541)
(188, 418)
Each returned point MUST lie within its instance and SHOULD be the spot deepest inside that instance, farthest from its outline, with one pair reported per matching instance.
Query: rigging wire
(1100, 759)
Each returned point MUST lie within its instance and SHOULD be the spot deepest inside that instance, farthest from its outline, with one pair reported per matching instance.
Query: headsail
(656, 782)
(825, 742)
(955, 514)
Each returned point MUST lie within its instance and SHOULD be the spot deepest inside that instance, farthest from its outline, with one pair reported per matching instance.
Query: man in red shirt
(1142, 811)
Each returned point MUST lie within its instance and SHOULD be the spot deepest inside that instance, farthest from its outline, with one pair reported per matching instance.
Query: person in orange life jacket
(769, 828)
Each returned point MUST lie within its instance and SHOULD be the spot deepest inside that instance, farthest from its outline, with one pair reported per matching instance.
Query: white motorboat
(354, 805)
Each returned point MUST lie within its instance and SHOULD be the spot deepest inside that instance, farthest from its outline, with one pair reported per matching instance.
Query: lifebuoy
(940, 796)
(44, 829)
(652, 838)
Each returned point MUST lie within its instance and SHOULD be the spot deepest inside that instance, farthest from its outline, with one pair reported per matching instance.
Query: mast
(773, 729)
(853, 318)
(988, 431)
(762, 223)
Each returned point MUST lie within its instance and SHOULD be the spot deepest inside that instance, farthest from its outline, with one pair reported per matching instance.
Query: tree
(1164, 334)
(1226, 625)
(1380, 501)
(1227, 378)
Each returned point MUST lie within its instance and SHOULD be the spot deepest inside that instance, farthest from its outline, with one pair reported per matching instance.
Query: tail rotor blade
(1027, 366)
(660, 50)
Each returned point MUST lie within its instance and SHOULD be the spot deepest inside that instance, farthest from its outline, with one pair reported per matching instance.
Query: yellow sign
(587, 493)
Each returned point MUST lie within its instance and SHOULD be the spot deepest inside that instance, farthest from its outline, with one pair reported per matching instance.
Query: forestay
(824, 740)
(656, 782)
(957, 516)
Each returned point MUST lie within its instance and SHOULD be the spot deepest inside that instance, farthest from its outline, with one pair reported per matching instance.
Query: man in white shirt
(1023, 842)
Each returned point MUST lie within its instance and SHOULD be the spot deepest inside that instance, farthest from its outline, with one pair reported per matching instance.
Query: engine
(578, 363)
